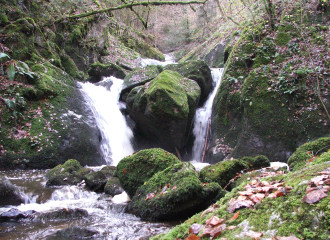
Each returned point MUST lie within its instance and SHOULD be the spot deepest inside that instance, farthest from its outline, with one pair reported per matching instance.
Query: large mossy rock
(69, 173)
(96, 181)
(309, 151)
(139, 76)
(164, 109)
(113, 187)
(98, 70)
(135, 170)
(198, 71)
(172, 193)
(9, 194)
(223, 172)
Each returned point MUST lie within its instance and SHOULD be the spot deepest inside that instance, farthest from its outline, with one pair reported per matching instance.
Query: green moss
(3, 19)
(282, 38)
(307, 151)
(135, 170)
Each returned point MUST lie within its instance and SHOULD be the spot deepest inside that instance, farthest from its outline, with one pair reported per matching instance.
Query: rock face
(172, 193)
(216, 57)
(222, 172)
(98, 70)
(164, 108)
(9, 194)
(198, 71)
(69, 173)
(138, 77)
(135, 170)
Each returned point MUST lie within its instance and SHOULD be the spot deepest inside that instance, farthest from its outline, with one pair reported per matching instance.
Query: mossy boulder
(68, 173)
(172, 193)
(309, 151)
(96, 181)
(135, 170)
(164, 109)
(99, 70)
(9, 194)
(113, 187)
(142, 47)
(223, 172)
(198, 71)
(138, 77)
(273, 217)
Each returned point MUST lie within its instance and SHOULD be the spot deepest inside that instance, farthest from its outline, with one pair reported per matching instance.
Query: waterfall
(116, 135)
(203, 117)
(148, 61)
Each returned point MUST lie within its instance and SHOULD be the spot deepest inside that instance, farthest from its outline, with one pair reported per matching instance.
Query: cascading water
(203, 116)
(116, 135)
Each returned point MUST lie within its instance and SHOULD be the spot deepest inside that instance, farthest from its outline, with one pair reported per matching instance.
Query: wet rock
(76, 233)
(139, 77)
(135, 170)
(96, 181)
(98, 70)
(216, 57)
(222, 172)
(164, 108)
(65, 213)
(69, 173)
(14, 215)
(9, 194)
(198, 71)
(113, 187)
(172, 193)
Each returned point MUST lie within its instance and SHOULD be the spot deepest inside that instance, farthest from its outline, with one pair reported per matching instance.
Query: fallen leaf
(211, 209)
(319, 179)
(124, 170)
(257, 197)
(254, 235)
(195, 228)
(193, 237)
(150, 195)
(288, 238)
(174, 188)
(239, 204)
(214, 221)
(213, 231)
(231, 227)
(314, 196)
(276, 194)
(235, 216)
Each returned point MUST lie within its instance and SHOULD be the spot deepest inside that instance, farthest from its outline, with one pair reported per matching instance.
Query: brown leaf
(124, 170)
(150, 195)
(239, 204)
(254, 235)
(231, 227)
(235, 216)
(213, 231)
(257, 197)
(288, 238)
(195, 228)
(276, 194)
(174, 188)
(214, 221)
(319, 179)
(314, 196)
(211, 209)
(246, 193)
(193, 237)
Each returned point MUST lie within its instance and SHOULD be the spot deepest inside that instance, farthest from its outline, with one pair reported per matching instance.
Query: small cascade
(147, 61)
(203, 117)
(116, 135)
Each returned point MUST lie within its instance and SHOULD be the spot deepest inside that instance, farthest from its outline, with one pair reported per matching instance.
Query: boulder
(309, 151)
(9, 194)
(172, 193)
(69, 173)
(96, 181)
(113, 187)
(164, 108)
(60, 214)
(222, 172)
(98, 70)
(198, 71)
(76, 233)
(135, 170)
(139, 77)
(15, 215)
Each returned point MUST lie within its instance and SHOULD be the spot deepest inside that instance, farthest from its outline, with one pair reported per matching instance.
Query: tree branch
(130, 5)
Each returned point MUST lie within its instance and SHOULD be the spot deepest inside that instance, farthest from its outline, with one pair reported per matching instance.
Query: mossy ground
(282, 216)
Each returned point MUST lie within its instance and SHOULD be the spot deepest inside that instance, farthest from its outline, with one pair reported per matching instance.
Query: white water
(147, 61)
(203, 116)
(116, 135)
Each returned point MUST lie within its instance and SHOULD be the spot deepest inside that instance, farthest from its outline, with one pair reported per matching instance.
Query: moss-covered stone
(98, 70)
(198, 71)
(113, 187)
(282, 216)
(223, 172)
(96, 181)
(135, 170)
(68, 173)
(164, 108)
(172, 193)
(309, 151)
(139, 77)
(9, 194)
